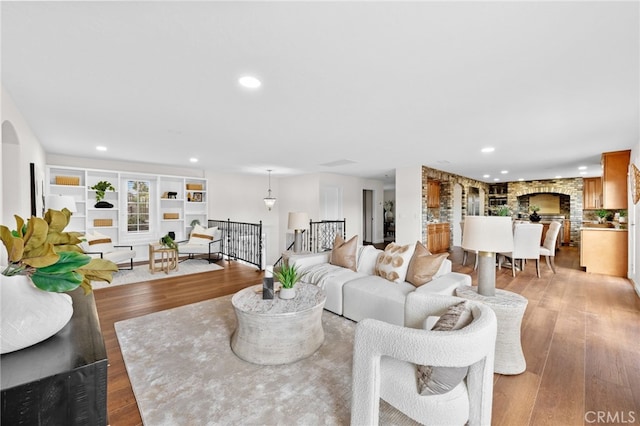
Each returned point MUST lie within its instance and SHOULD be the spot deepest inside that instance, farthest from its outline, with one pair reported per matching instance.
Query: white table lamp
(487, 235)
(298, 221)
(59, 202)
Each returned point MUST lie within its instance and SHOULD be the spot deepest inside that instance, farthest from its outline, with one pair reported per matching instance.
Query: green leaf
(58, 283)
(69, 261)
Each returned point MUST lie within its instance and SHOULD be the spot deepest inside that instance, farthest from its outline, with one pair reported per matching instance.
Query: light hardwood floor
(580, 337)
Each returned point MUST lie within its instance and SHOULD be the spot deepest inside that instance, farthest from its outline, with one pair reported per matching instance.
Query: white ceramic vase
(29, 315)
(287, 293)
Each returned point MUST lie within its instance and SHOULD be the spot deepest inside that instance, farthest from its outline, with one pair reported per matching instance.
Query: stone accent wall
(570, 206)
(445, 212)
(517, 199)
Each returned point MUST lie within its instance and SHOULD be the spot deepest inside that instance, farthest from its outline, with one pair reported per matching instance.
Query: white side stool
(509, 308)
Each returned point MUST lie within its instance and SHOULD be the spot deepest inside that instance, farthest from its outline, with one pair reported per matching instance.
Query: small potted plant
(534, 217)
(602, 215)
(100, 188)
(623, 216)
(503, 211)
(288, 276)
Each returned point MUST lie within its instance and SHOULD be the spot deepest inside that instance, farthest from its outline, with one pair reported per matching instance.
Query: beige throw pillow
(423, 265)
(439, 380)
(344, 253)
(394, 262)
(202, 235)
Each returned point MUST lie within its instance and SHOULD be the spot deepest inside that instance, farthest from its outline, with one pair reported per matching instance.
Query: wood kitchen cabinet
(592, 193)
(438, 235)
(604, 251)
(433, 194)
(615, 166)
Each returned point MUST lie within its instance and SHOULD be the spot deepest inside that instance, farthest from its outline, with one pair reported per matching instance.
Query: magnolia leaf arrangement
(288, 276)
(40, 249)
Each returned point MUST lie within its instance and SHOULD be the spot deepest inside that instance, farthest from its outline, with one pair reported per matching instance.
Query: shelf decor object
(68, 180)
(102, 222)
(171, 215)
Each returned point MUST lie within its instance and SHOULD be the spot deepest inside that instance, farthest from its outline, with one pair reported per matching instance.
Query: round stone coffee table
(276, 331)
(509, 308)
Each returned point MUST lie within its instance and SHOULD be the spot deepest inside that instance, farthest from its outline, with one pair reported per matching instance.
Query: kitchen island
(604, 249)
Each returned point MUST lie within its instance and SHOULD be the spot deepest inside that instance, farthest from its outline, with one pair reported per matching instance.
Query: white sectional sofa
(361, 293)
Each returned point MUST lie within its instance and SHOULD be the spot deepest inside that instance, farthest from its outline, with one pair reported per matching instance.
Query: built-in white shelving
(173, 203)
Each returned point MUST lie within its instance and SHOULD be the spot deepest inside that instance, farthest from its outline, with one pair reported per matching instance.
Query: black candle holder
(267, 288)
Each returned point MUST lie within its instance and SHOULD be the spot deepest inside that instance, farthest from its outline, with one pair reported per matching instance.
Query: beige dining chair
(526, 246)
(548, 248)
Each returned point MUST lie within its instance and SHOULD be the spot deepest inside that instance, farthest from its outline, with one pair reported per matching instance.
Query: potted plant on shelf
(534, 217)
(100, 188)
(43, 262)
(288, 276)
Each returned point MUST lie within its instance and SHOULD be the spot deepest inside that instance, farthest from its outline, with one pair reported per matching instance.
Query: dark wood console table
(61, 381)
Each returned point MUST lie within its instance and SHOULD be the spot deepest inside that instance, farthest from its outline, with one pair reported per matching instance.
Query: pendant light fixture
(269, 201)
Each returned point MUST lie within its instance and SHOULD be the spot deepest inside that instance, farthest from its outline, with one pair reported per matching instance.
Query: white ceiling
(376, 85)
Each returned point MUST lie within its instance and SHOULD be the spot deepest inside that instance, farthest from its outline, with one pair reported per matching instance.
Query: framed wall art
(197, 197)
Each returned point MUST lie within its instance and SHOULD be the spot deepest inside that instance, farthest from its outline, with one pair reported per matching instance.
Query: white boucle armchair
(385, 358)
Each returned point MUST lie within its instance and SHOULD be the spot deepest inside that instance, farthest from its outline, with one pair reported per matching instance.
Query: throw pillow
(202, 235)
(344, 252)
(423, 265)
(394, 262)
(96, 242)
(439, 380)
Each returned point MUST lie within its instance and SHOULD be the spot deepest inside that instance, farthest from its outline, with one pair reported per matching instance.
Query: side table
(168, 260)
(509, 308)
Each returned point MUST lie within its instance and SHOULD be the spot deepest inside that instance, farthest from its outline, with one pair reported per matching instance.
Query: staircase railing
(320, 237)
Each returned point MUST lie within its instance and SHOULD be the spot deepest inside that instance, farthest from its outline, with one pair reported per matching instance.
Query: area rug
(141, 273)
(183, 372)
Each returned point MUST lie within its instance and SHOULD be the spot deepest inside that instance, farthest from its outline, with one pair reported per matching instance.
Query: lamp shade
(488, 233)
(298, 220)
(59, 202)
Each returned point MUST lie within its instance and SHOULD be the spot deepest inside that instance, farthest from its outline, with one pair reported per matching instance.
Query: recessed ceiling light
(504, 172)
(101, 148)
(582, 168)
(583, 173)
(486, 176)
(488, 149)
(249, 82)
(496, 179)
(193, 160)
(558, 177)
(521, 179)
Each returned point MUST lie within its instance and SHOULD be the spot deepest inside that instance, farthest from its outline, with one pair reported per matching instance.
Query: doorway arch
(10, 172)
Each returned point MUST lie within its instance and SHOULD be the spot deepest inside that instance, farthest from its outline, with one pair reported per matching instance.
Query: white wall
(15, 161)
(408, 205)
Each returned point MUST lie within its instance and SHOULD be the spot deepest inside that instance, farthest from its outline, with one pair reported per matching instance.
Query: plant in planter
(503, 211)
(602, 215)
(623, 216)
(101, 188)
(534, 217)
(288, 276)
(195, 222)
(168, 242)
(43, 261)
